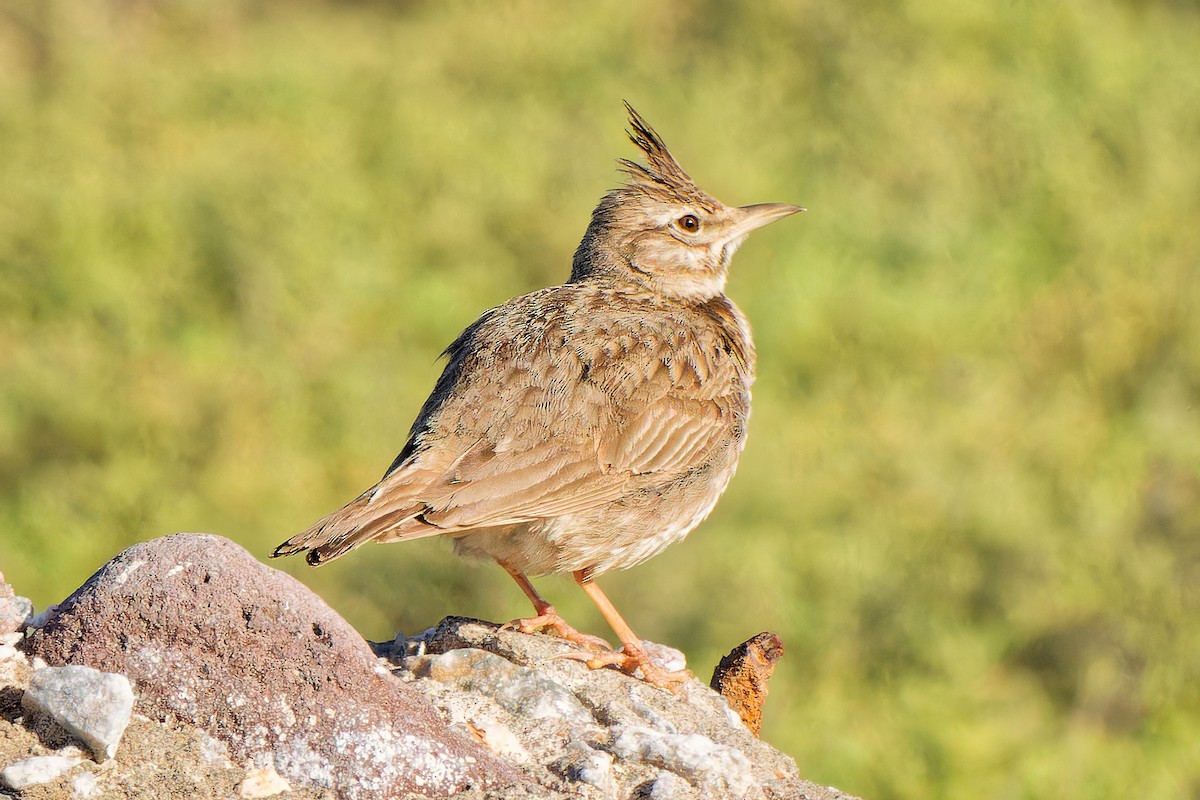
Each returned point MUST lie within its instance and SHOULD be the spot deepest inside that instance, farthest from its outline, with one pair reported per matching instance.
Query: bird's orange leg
(633, 656)
(547, 616)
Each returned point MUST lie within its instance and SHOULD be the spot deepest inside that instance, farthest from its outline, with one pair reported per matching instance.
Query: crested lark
(584, 427)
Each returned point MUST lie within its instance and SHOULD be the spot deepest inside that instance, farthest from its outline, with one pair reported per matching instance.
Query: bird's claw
(634, 662)
(552, 621)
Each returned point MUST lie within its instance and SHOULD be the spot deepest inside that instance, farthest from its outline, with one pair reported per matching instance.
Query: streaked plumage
(583, 427)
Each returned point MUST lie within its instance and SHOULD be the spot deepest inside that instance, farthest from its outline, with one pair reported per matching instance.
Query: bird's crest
(661, 176)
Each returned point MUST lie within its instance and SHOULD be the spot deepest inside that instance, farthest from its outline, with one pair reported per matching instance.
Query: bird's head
(662, 231)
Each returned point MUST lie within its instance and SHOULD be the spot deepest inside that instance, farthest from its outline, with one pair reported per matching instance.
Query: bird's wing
(564, 475)
(524, 425)
(570, 433)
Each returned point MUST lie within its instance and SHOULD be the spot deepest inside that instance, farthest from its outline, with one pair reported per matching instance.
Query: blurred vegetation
(235, 235)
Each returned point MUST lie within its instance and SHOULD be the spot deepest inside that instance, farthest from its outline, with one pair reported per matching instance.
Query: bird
(587, 426)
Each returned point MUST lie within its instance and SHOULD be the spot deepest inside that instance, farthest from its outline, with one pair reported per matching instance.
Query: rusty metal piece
(741, 677)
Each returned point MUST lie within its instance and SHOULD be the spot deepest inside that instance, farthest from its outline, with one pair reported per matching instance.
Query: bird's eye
(689, 223)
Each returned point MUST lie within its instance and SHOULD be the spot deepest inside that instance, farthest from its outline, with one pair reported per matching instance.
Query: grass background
(235, 235)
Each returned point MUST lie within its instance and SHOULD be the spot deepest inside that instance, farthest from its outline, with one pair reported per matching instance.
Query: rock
(214, 639)
(741, 676)
(499, 739)
(247, 684)
(156, 760)
(214, 752)
(32, 771)
(93, 706)
(8, 651)
(15, 611)
(669, 786)
(623, 737)
(720, 770)
(521, 690)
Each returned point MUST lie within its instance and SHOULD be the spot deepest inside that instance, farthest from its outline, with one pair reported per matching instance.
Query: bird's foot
(550, 620)
(632, 660)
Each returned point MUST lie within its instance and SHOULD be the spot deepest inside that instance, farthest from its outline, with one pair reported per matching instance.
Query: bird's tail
(366, 518)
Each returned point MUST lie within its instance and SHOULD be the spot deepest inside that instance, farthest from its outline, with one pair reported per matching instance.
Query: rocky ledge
(185, 668)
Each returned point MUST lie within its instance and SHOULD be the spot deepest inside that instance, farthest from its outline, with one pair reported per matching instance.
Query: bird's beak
(756, 216)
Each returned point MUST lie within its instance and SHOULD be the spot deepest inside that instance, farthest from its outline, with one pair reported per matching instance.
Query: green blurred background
(234, 237)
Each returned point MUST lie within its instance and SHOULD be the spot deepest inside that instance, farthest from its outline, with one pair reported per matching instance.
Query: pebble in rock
(669, 786)
(521, 690)
(32, 771)
(583, 764)
(91, 705)
(85, 785)
(697, 758)
(260, 783)
(499, 739)
(15, 613)
(8, 650)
